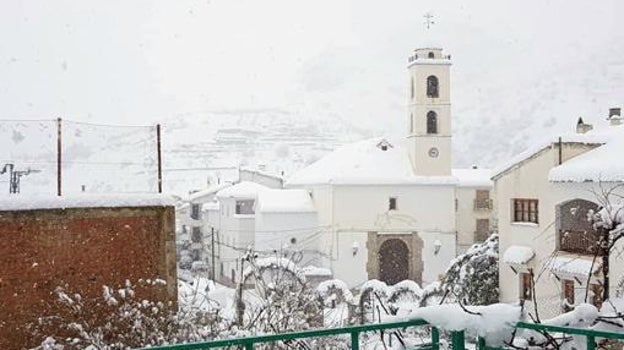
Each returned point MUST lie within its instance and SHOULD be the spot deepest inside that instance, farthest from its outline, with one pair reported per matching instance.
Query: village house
(542, 200)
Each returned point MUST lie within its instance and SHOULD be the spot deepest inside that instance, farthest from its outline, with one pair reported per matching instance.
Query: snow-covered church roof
(376, 161)
(600, 164)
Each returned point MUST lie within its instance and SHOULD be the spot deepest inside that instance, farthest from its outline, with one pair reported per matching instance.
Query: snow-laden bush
(119, 319)
(472, 278)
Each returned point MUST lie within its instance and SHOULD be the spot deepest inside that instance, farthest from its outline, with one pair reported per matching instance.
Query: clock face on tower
(433, 152)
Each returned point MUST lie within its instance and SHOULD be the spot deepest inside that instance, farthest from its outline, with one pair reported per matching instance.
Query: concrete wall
(82, 249)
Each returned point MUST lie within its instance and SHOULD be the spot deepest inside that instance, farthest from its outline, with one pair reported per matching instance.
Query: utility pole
(58, 157)
(158, 150)
(212, 248)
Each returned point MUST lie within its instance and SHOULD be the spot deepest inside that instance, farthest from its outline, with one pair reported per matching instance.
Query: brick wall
(82, 248)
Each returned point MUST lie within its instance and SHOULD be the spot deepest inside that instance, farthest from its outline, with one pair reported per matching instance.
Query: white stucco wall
(352, 211)
(529, 180)
(276, 230)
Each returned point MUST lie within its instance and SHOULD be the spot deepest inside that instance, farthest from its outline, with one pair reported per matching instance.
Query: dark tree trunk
(604, 246)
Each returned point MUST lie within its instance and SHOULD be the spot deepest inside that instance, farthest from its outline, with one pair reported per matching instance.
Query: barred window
(525, 210)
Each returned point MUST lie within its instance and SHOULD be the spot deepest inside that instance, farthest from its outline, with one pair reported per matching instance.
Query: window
(195, 212)
(568, 295)
(392, 203)
(483, 230)
(525, 210)
(482, 200)
(245, 207)
(432, 122)
(526, 291)
(432, 86)
(596, 291)
(411, 123)
(412, 87)
(431, 55)
(196, 235)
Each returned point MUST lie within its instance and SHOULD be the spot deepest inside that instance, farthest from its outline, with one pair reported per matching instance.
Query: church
(396, 209)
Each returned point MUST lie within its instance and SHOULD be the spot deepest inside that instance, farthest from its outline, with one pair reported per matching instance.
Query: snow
(473, 177)
(493, 322)
(364, 163)
(315, 271)
(85, 201)
(600, 164)
(210, 206)
(281, 201)
(582, 316)
(325, 289)
(274, 262)
(244, 189)
(517, 254)
(197, 196)
(572, 265)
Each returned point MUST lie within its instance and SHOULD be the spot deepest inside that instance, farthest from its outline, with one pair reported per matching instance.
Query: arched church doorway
(393, 261)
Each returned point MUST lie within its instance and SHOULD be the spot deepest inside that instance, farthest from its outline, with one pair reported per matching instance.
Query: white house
(542, 197)
(390, 205)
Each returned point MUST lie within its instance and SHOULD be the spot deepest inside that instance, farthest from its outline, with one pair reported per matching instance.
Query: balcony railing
(483, 204)
(579, 242)
(458, 339)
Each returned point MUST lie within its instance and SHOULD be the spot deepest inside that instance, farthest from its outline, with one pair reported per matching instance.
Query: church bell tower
(429, 123)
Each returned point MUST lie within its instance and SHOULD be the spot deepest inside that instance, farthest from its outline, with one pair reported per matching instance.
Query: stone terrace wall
(83, 249)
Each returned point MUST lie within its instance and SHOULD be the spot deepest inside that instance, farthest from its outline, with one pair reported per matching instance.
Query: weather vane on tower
(428, 20)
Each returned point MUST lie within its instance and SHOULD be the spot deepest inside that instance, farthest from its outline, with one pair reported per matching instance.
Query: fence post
(457, 340)
(435, 338)
(355, 341)
(591, 342)
(159, 155)
(481, 343)
(59, 168)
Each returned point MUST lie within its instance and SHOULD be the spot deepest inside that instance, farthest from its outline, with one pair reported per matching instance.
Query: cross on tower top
(428, 20)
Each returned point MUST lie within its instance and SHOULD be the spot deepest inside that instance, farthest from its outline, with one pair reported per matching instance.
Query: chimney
(581, 127)
(615, 116)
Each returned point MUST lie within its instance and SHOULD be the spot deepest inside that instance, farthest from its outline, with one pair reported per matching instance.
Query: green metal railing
(590, 335)
(354, 332)
(458, 339)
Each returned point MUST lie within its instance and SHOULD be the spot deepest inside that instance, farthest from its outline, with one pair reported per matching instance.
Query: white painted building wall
(529, 179)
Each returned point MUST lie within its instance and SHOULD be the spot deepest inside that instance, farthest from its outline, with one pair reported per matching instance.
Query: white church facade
(391, 208)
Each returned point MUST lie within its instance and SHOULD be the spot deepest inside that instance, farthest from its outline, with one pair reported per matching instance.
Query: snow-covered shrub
(281, 300)
(120, 319)
(472, 278)
(333, 292)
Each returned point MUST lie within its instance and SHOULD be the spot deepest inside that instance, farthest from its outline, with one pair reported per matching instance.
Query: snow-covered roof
(517, 254)
(573, 265)
(597, 136)
(20, 202)
(196, 196)
(210, 206)
(283, 201)
(473, 177)
(244, 189)
(600, 164)
(366, 162)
